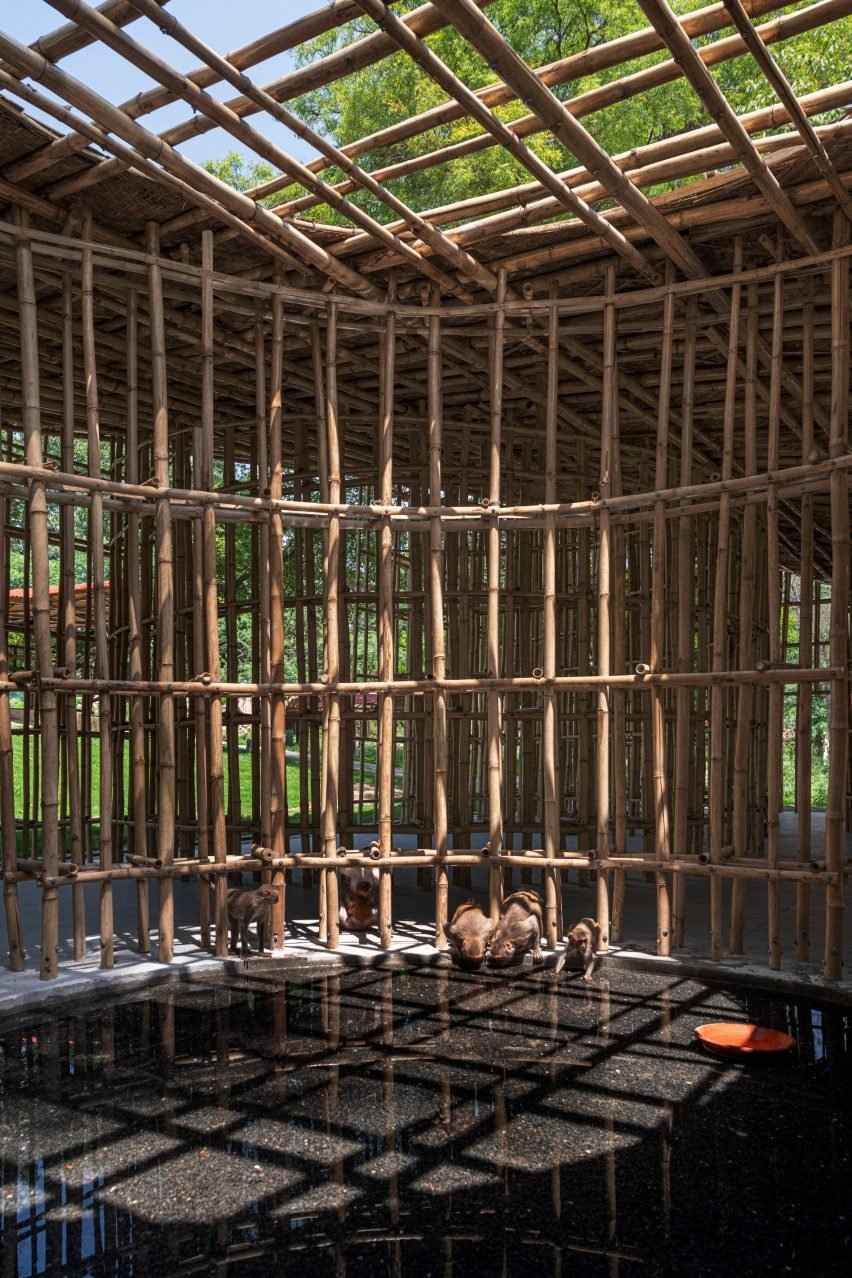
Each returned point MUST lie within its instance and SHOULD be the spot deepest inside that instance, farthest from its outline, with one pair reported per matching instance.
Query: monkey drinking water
(250, 905)
(583, 939)
(519, 929)
(468, 934)
(358, 913)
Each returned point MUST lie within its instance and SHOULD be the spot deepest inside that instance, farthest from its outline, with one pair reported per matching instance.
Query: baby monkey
(468, 934)
(583, 939)
(519, 929)
(357, 912)
(250, 905)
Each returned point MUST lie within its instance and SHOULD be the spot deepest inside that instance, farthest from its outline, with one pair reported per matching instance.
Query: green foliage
(541, 31)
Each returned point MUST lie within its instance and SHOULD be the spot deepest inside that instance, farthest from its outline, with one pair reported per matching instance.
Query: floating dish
(738, 1038)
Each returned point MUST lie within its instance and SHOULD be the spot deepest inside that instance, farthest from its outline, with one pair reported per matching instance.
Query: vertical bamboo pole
(165, 598)
(211, 600)
(386, 762)
(68, 630)
(745, 693)
(331, 584)
(776, 690)
(804, 691)
(263, 580)
(278, 797)
(436, 597)
(658, 622)
(602, 762)
(199, 657)
(839, 618)
(134, 627)
(96, 538)
(8, 831)
(720, 617)
(37, 503)
(495, 756)
(549, 729)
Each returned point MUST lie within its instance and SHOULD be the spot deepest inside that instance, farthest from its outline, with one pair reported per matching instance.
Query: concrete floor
(413, 934)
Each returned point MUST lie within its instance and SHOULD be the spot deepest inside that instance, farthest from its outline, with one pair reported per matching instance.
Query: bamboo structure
(506, 538)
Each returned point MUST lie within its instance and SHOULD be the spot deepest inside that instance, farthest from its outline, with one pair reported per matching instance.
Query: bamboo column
(199, 655)
(331, 585)
(658, 622)
(773, 568)
(38, 523)
(96, 541)
(67, 633)
(839, 617)
(745, 692)
(8, 831)
(165, 598)
(804, 691)
(549, 728)
(602, 761)
(495, 754)
(436, 599)
(386, 761)
(211, 601)
(263, 578)
(720, 617)
(278, 725)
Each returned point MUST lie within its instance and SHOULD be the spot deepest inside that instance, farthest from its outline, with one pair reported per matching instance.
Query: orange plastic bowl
(739, 1038)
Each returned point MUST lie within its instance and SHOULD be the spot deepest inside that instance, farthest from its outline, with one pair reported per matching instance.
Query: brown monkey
(583, 939)
(519, 929)
(250, 905)
(469, 934)
(358, 914)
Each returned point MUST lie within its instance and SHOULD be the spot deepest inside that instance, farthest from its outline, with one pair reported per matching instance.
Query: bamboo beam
(439, 243)
(789, 101)
(196, 178)
(715, 103)
(442, 75)
(38, 522)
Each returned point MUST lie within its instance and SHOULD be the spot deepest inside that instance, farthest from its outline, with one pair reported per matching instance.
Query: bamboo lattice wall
(489, 559)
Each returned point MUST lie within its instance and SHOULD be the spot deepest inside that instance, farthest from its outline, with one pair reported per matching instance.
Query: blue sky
(223, 24)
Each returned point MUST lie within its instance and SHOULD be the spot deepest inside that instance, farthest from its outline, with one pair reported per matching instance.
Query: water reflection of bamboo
(501, 1133)
(167, 1027)
(223, 1055)
(667, 1125)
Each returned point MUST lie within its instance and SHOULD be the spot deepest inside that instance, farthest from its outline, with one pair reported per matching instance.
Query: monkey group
(474, 937)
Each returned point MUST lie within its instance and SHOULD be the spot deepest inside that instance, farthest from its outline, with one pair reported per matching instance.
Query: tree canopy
(542, 31)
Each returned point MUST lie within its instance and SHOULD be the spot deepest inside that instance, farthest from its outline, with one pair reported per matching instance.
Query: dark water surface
(429, 1123)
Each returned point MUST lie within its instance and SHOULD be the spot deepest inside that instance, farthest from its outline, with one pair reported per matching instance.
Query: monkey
(250, 905)
(468, 934)
(357, 913)
(519, 929)
(583, 939)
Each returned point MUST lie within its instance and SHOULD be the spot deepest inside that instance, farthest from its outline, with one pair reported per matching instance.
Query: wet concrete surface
(425, 1123)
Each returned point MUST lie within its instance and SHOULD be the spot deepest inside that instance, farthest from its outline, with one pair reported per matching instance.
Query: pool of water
(425, 1123)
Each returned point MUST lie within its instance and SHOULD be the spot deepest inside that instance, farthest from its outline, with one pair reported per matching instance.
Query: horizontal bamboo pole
(400, 687)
